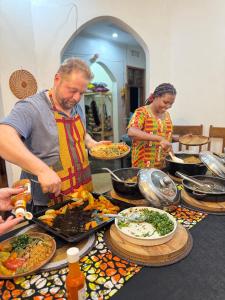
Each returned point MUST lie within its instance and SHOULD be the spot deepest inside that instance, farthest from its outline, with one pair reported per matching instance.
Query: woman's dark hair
(164, 88)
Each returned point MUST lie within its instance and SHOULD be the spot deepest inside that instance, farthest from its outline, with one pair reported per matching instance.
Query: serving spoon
(114, 175)
(208, 187)
(176, 159)
(135, 217)
(118, 179)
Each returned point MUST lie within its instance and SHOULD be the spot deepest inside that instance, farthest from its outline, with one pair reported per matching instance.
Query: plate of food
(147, 226)
(109, 151)
(193, 140)
(25, 253)
(78, 218)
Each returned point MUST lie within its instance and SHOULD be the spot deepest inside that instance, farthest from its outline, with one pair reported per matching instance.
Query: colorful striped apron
(73, 165)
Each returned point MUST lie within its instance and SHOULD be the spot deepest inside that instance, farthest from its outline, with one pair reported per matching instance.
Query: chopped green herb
(161, 222)
(21, 242)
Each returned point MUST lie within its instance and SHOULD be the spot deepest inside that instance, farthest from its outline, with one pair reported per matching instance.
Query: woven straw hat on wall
(22, 84)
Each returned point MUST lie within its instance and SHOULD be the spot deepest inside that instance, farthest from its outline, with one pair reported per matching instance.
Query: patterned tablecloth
(105, 273)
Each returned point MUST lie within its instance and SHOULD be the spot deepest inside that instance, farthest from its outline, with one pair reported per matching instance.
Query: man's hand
(5, 226)
(50, 181)
(5, 197)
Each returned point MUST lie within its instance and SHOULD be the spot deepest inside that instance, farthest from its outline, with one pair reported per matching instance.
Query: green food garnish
(161, 222)
(21, 242)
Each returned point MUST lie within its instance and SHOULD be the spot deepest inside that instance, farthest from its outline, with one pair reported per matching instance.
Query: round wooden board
(194, 140)
(140, 202)
(214, 207)
(171, 252)
(59, 260)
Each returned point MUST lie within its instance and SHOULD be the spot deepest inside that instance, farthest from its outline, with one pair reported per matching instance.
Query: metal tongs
(62, 194)
(207, 187)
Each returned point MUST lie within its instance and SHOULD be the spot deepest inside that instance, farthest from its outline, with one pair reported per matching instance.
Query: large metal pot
(158, 188)
(211, 196)
(187, 168)
(126, 190)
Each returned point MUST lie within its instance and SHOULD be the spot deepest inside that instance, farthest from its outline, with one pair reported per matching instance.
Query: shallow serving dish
(133, 233)
(109, 151)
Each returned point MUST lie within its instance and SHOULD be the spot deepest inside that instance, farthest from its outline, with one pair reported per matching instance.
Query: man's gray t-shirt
(33, 119)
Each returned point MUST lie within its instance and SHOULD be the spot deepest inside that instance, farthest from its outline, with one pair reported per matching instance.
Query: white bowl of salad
(147, 226)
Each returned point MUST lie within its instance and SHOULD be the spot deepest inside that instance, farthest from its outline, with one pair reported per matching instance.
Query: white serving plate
(145, 227)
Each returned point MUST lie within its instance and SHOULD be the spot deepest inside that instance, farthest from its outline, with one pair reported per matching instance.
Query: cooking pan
(189, 169)
(124, 189)
(210, 196)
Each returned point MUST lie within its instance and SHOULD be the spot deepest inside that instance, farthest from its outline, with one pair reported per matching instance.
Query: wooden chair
(187, 129)
(217, 132)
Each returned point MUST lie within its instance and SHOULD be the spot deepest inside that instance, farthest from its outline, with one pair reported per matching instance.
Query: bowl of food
(146, 226)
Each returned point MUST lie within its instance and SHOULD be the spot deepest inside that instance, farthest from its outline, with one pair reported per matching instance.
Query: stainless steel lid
(157, 187)
(213, 163)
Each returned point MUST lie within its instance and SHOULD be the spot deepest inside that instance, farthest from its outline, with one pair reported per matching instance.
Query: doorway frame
(142, 87)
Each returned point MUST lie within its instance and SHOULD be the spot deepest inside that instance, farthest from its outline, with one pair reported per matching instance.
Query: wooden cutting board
(138, 202)
(215, 207)
(172, 251)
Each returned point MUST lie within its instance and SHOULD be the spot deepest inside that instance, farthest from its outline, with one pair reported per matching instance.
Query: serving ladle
(207, 187)
(118, 179)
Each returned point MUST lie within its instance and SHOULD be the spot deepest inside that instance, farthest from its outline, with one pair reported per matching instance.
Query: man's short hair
(74, 64)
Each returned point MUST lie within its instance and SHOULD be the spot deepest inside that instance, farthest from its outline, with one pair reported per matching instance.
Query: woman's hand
(8, 224)
(166, 146)
(5, 197)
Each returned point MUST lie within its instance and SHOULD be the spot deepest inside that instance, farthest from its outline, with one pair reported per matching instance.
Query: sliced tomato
(13, 263)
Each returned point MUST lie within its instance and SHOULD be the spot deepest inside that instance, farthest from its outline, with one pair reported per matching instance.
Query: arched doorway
(115, 56)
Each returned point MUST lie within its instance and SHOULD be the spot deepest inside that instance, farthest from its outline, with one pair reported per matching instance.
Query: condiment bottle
(75, 280)
(20, 200)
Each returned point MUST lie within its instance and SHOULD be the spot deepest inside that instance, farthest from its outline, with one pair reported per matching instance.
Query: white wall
(185, 40)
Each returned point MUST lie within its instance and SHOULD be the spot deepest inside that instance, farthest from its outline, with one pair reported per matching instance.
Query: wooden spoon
(176, 159)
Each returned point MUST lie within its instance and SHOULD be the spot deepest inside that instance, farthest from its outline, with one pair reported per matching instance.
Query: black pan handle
(199, 195)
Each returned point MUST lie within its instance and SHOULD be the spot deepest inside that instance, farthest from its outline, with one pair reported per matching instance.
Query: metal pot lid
(157, 187)
(213, 163)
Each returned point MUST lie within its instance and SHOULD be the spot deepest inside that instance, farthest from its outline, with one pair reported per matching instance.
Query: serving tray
(79, 236)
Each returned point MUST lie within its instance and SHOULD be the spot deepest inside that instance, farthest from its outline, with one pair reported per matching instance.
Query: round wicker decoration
(22, 84)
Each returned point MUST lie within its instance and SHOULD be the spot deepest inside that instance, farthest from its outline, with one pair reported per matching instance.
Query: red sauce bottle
(75, 280)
